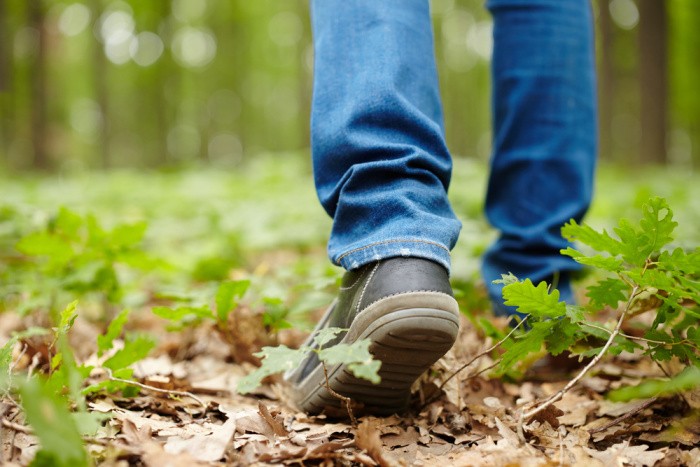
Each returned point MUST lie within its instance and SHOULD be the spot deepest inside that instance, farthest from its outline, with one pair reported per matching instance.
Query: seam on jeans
(364, 289)
(385, 242)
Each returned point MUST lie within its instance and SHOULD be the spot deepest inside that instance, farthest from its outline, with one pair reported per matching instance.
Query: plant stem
(557, 396)
(485, 352)
(343, 398)
(625, 416)
(641, 339)
(435, 396)
(16, 427)
(669, 376)
(154, 389)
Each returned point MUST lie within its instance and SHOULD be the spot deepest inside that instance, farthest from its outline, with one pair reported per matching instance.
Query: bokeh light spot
(74, 19)
(146, 48)
(624, 13)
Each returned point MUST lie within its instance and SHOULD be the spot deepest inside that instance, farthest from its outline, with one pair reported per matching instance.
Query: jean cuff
(416, 248)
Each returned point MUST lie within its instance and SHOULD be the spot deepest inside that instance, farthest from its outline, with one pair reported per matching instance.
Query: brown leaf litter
(473, 422)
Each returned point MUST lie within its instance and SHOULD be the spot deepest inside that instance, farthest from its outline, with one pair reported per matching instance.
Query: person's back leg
(544, 119)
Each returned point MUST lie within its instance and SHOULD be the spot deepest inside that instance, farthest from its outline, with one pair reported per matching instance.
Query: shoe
(406, 308)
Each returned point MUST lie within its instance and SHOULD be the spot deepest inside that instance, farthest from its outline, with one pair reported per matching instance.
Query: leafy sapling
(53, 404)
(6, 355)
(228, 296)
(118, 365)
(47, 413)
(639, 274)
(73, 255)
(356, 357)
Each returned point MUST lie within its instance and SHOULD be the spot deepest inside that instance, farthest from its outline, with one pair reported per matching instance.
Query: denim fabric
(381, 165)
(544, 121)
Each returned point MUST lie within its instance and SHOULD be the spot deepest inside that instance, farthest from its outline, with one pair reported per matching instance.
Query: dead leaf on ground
(209, 446)
(277, 426)
(685, 431)
(367, 438)
(624, 454)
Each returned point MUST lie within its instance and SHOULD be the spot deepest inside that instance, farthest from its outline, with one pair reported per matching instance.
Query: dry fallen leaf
(276, 425)
(624, 454)
(685, 431)
(155, 456)
(367, 438)
(206, 447)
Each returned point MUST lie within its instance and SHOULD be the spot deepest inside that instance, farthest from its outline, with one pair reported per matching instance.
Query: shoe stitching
(407, 292)
(364, 289)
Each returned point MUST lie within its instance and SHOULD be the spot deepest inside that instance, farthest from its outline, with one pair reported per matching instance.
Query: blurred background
(98, 84)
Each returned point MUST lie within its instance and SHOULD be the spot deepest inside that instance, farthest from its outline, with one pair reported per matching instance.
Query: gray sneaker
(406, 308)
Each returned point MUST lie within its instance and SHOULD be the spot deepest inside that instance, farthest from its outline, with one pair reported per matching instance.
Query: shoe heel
(407, 342)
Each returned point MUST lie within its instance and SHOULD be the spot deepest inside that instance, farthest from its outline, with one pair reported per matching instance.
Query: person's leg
(544, 119)
(382, 170)
(381, 165)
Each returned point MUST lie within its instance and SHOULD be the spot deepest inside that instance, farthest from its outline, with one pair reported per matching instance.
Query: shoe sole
(407, 340)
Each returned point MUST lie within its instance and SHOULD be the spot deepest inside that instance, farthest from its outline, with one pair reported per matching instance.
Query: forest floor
(263, 223)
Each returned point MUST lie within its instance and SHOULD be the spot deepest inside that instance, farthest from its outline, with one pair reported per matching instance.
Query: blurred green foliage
(172, 83)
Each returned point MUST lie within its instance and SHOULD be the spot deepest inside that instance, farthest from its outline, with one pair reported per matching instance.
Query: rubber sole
(407, 341)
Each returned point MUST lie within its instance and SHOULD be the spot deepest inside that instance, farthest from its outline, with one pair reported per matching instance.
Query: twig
(16, 360)
(435, 396)
(3, 410)
(669, 376)
(643, 339)
(661, 367)
(33, 365)
(520, 430)
(154, 389)
(485, 369)
(555, 397)
(343, 398)
(485, 352)
(17, 428)
(625, 416)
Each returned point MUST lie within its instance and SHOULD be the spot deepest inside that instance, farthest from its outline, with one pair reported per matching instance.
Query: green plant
(54, 403)
(75, 255)
(136, 347)
(280, 359)
(48, 414)
(227, 299)
(640, 274)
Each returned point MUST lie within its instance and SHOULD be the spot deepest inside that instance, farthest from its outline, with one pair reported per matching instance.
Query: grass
(263, 218)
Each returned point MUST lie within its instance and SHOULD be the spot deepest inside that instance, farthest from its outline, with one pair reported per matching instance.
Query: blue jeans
(381, 165)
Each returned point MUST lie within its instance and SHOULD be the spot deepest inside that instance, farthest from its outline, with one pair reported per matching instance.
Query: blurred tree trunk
(39, 124)
(6, 107)
(606, 80)
(653, 68)
(304, 78)
(99, 71)
(165, 73)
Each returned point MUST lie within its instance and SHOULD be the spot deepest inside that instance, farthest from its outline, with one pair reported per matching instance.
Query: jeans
(381, 164)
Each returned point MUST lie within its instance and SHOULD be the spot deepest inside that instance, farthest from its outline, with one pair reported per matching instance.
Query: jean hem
(416, 248)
